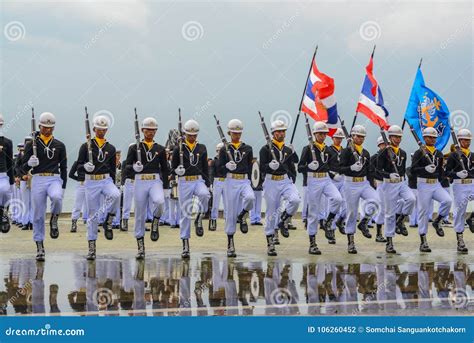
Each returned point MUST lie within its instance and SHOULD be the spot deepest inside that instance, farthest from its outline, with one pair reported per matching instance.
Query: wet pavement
(209, 284)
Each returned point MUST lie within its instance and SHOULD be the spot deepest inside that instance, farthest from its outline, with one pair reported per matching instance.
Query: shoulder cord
(48, 151)
(192, 161)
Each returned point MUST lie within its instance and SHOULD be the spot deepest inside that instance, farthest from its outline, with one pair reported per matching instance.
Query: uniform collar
(278, 144)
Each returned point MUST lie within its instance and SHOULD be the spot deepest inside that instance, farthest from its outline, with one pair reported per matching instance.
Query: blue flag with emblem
(427, 109)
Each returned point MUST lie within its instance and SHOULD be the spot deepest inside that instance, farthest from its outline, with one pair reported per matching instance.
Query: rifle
(458, 148)
(350, 142)
(33, 132)
(137, 138)
(420, 144)
(310, 138)
(88, 137)
(223, 139)
(180, 139)
(267, 136)
(391, 153)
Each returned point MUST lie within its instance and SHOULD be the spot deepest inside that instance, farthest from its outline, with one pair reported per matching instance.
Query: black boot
(53, 225)
(351, 248)
(389, 246)
(212, 224)
(74, 225)
(283, 224)
(141, 248)
(198, 225)
(91, 253)
(242, 220)
(400, 225)
(155, 229)
(185, 253)
(107, 225)
(313, 247)
(271, 246)
(379, 237)
(230, 246)
(330, 235)
(461, 246)
(437, 224)
(40, 254)
(424, 247)
(341, 226)
(124, 225)
(470, 222)
(5, 221)
(328, 222)
(276, 240)
(363, 227)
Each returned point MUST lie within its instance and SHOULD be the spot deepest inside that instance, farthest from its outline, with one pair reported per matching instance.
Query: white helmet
(219, 146)
(339, 133)
(2, 121)
(235, 125)
(464, 134)
(191, 127)
(359, 130)
(150, 123)
(278, 125)
(47, 119)
(131, 144)
(320, 126)
(430, 132)
(395, 130)
(101, 122)
(380, 140)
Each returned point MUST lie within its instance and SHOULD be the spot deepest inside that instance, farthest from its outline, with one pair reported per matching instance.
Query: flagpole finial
(419, 65)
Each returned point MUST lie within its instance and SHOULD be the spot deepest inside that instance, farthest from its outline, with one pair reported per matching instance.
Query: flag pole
(404, 120)
(355, 117)
(302, 96)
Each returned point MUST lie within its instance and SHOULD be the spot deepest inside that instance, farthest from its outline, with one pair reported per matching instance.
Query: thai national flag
(371, 100)
(319, 101)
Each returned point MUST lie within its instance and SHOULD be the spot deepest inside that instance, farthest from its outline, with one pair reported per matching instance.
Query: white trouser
(144, 191)
(166, 208)
(391, 194)
(174, 214)
(43, 187)
(317, 188)
(15, 200)
(186, 191)
(342, 210)
(79, 202)
(414, 213)
(218, 191)
(463, 193)
(239, 195)
(427, 192)
(304, 211)
(118, 215)
(353, 192)
(379, 218)
(27, 213)
(128, 188)
(94, 190)
(5, 190)
(256, 211)
(274, 191)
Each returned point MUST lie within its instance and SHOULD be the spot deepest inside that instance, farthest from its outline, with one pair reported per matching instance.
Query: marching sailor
(128, 186)
(49, 178)
(427, 166)
(80, 196)
(278, 184)
(189, 163)
(239, 194)
(355, 166)
(460, 167)
(6, 177)
(151, 176)
(218, 175)
(99, 181)
(391, 165)
(316, 164)
(334, 171)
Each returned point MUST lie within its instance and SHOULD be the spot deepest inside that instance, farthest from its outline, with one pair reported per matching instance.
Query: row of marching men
(340, 174)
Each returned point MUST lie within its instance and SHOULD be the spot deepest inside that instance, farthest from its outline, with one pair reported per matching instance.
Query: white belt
(429, 181)
(190, 177)
(316, 175)
(45, 174)
(147, 177)
(96, 177)
(459, 181)
(355, 178)
(276, 177)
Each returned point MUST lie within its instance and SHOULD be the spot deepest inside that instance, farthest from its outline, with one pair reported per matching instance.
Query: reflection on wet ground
(69, 285)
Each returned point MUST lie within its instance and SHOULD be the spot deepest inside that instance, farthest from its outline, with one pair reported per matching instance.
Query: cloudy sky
(226, 58)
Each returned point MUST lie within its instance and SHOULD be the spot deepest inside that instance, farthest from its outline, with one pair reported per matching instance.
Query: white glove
(430, 168)
(231, 165)
(394, 176)
(337, 177)
(274, 165)
(33, 161)
(137, 167)
(462, 174)
(89, 167)
(180, 170)
(356, 166)
(313, 165)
